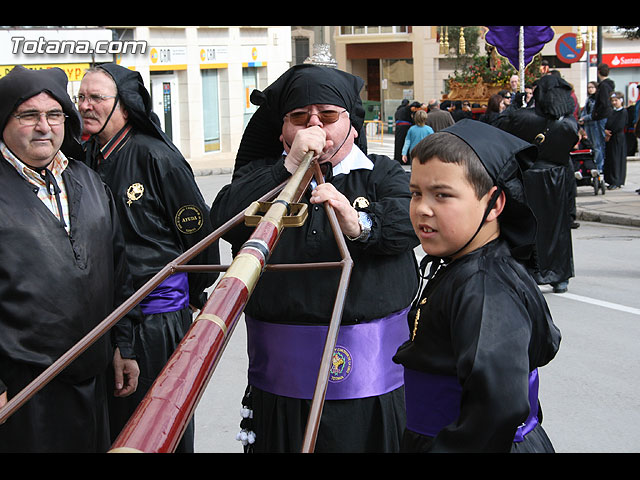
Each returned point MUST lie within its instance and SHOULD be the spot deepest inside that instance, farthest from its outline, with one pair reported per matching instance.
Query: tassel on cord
(246, 435)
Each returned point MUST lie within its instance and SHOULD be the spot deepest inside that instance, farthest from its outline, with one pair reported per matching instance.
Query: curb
(609, 218)
(203, 172)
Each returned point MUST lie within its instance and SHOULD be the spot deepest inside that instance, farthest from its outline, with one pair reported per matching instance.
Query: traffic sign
(567, 49)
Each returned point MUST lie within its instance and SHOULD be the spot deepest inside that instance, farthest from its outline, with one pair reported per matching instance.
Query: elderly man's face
(340, 131)
(99, 91)
(35, 145)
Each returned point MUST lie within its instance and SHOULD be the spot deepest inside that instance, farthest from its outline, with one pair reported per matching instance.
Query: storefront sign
(621, 60)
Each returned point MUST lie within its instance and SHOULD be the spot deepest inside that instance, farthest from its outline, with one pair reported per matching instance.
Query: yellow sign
(74, 71)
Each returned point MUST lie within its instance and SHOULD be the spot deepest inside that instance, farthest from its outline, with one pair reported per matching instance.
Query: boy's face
(445, 211)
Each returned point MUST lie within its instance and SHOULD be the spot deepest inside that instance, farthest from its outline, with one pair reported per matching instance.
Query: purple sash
(433, 402)
(285, 359)
(170, 296)
(532, 420)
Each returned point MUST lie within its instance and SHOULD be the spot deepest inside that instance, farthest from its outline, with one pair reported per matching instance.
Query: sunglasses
(325, 116)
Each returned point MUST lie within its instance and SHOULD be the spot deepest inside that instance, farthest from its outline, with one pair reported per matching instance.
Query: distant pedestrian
(494, 108)
(550, 181)
(403, 122)
(601, 111)
(416, 133)
(615, 159)
(438, 118)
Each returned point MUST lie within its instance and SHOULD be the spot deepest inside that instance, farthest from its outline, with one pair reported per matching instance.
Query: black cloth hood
(505, 156)
(21, 83)
(299, 86)
(553, 97)
(308, 84)
(136, 100)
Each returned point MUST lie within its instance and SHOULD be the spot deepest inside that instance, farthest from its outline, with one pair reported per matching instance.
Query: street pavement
(617, 207)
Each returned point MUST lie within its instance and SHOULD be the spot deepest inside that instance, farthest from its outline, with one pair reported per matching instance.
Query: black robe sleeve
(189, 217)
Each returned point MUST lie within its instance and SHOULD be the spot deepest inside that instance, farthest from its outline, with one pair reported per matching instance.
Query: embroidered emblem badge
(360, 202)
(134, 192)
(341, 364)
(189, 219)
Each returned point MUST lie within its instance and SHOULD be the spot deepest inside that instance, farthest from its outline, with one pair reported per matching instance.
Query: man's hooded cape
(21, 83)
(135, 98)
(298, 87)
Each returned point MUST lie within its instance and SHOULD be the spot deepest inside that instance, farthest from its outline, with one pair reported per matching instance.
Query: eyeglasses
(92, 99)
(33, 118)
(325, 116)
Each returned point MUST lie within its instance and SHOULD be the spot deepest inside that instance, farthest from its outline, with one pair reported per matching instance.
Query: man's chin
(90, 126)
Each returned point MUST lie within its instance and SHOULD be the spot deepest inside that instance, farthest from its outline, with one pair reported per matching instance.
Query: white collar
(356, 160)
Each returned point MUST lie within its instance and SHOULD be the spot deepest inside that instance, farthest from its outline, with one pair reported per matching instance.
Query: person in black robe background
(289, 311)
(615, 158)
(63, 271)
(162, 212)
(480, 327)
(403, 121)
(550, 183)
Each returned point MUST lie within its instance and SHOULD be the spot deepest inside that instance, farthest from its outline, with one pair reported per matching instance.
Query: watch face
(365, 220)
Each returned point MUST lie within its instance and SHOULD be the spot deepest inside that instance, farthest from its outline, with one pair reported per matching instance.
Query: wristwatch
(365, 225)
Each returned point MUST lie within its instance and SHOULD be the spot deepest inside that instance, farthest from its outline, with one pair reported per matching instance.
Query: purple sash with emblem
(433, 402)
(171, 295)
(285, 359)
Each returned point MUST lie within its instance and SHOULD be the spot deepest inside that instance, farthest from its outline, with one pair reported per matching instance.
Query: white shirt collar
(356, 160)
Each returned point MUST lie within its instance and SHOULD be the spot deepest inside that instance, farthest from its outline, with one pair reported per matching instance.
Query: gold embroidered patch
(189, 219)
(360, 202)
(134, 192)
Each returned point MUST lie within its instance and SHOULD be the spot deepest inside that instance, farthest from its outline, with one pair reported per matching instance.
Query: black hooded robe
(55, 288)
(383, 281)
(615, 157)
(163, 214)
(484, 327)
(550, 181)
(481, 329)
(403, 122)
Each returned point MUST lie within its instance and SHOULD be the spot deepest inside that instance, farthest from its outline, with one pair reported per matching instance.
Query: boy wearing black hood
(481, 327)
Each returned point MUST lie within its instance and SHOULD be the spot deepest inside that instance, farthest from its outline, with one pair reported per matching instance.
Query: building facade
(199, 77)
(400, 62)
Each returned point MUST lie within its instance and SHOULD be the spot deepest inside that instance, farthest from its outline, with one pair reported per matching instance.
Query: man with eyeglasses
(63, 271)
(162, 212)
(315, 108)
